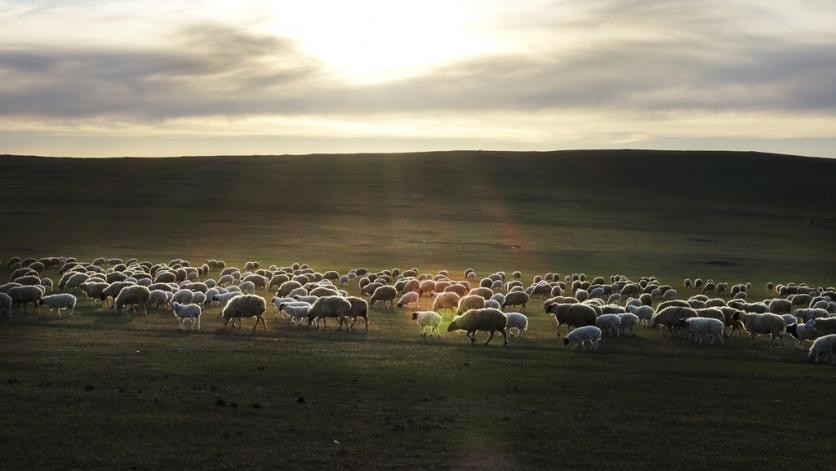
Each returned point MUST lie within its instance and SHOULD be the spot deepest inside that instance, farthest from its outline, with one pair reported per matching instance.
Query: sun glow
(378, 40)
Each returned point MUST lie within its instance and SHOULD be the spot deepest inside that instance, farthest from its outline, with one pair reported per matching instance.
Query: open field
(130, 392)
(709, 214)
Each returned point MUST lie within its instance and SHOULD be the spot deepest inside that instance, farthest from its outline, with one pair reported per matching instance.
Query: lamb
(59, 301)
(23, 295)
(409, 299)
(298, 311)
(359, 308)
(573, 315)
(517, 298)
(446, 301)
(427, 320)
(469, 302)
(768, 323)
(516, 321)
(823, 347)
(802, 332)
(629, 321)
(330, 306)
(133, 295)
(705, 328)
(5, 304)
(609, 323)
(185, 312)
(644, 313)
(485, 320)
(245, 305)
(583, 335)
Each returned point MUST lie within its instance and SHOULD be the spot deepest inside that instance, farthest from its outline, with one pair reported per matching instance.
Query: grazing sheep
(609, 323)
(190, 312)
(806, 314)
(583, 335)
(572, 315)
(298, 311)
(132, 296)
(359, 308)
(386, 294)
(409, 299)
(446, 301)
(518, 298)
(245, 305)
(802, 332)
(485, 320)
(767, 323)
(158, 299)
(669, 317)
(23, 295)
(330, 306)
(629, 321)
(704, 328)
(516, 321)
(669, 295)
(5, 304)
(59, 301)
(183, 296)
(823, 348)
(644, 313)
(471, 301)
(780, 306)
(825, 326)
(686, 283)
(427, 320)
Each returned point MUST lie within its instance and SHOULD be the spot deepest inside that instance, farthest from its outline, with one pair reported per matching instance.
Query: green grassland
(104, 391)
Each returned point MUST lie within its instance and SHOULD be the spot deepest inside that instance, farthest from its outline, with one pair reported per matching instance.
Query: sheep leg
(472, 336)
(491, 338)
(504, 337)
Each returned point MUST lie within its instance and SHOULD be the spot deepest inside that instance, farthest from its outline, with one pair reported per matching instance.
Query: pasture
(102, 390)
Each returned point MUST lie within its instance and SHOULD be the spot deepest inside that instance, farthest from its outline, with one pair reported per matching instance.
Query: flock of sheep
(590, 308)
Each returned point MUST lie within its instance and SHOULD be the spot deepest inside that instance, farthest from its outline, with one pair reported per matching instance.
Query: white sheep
(190, 312)
(59, 301)
(297, 310)
(609, 323)
(583, 335)
(644, 313)
(802, 332)
(427, 320)
(183, 296)
(705, 329)
(493, 304)
(409, 299)
(516, 321)
(629, 321)
(278, 301)
(823, 347)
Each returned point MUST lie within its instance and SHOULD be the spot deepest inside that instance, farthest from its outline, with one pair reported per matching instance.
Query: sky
(199, 77)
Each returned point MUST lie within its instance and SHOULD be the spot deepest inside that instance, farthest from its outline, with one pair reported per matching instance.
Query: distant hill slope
(661, 211)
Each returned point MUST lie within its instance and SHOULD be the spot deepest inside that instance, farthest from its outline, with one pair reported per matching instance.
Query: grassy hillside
(711, 214)
(108, 391)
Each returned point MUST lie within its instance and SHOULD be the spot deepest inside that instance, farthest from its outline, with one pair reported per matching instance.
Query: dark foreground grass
(103, 391)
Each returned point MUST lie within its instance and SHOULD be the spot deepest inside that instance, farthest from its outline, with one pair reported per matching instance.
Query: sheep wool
(485, 320)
